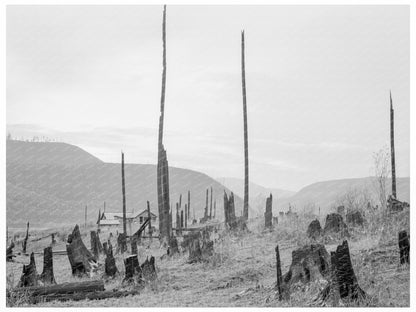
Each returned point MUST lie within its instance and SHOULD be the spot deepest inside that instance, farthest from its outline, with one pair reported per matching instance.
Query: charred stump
(314, 229)
(9, 252)
(121, 243)
(268, 215)
(148, 269)
(404, 247)
(308, 264)
(133, 269)
(29, 276)
(47, 276)
(110, 262)
(79, 256)
(195, 253)
(334, 224)
(355, 218)
(133, 243)
(96, 246)
(173, 246)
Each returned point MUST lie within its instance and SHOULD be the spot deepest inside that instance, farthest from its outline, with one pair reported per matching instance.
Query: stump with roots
(314, 229)
(343, 282)
(334, 224)
(404, 247)
(79, 256)
(355, 218)
(96, 246)
(47, 276)
(110, 262)
(149, 269)
(133, 269)
(29, 276)
(309, 263)
(173, 246)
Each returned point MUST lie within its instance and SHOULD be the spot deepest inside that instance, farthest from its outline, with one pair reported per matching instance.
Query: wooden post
(210, 206)
(181, 219)
(123, 189)
(215, 207)
(268, 215)
(393, 163)
(150, 219)
(206, 207)
(85, 216)
(189, 204)
(186, 216)
(404, 247)
(278, 274)
(243, 83)
(26, 238)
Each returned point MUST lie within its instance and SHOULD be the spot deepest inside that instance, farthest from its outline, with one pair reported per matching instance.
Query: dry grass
(242, 270)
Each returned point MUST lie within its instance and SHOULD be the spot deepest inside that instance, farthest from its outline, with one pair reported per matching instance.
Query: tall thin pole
(243, 74)
(85, 217)
(393, 163)
(123, 188)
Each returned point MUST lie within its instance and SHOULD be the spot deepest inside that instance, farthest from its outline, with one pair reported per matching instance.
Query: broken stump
(149, 269)
(47, 276)
(195, 254)
(133, 269)
(29, 276)
(314, 229)
(110, 263)
(334, 224)
(79, 256)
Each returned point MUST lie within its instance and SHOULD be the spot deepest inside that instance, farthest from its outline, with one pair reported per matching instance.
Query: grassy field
(242, 271)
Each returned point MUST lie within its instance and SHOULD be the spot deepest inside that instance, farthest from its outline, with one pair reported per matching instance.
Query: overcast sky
(318, 81)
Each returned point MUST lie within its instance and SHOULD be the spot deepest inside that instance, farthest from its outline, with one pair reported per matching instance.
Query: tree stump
(268, 215)
(404, 247)
(96, 246)
(53, 241)
(79, 256)
(9, 252)
(133, 269)
(308, 264)
(29, 276)
(149, 269)
(207, 249)
(47, 276)
(133, 243)
(121, 243)
(105, 248)
(278, 274)
(355, 218)
(195, 253)
(173, 246)
(110, 263)
(334, 224)
(188, 238)
(314, 229)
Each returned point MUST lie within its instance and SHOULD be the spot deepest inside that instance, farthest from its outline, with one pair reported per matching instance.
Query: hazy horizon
(318, 82)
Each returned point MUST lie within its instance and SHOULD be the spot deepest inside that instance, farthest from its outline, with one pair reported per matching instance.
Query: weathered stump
(96, 246)
(79, 256)
(133, 243)
(268, 215)
(355, 218)
(195, 253)
(207, 249)
(29, 276)
(47, 276)
(188, 238)
(121, 243)
(334, 224)
(314, 229)
(9, 252)
(173, 246)
(308, 264)
(110, 263)
(133, 269)
(149, 269)
(404, 247)
(105, 248)
(26, 238)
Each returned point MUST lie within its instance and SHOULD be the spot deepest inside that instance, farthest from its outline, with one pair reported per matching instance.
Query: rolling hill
(49, 184)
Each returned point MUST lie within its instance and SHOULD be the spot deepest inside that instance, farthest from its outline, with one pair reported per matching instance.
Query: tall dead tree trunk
(150, 219)
(123, 188)
(278, 274)
(186, 216)
(215, 207)
(393, 163)
(243, 83)
(26, 238)
(206, 207)
(85, 216)
(47, 275)
(268, 215)
(210, 206)
(181, 219)
(189, 204)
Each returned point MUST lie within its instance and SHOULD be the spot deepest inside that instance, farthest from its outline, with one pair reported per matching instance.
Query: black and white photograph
(207, 155)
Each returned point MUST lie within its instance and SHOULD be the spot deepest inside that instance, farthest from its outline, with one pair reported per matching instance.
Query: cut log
(29, 276)
(314, 229)
(9, 252)
(79, 256)
(47, 276)
(84, 296)
(404, 247)
(110, 263)
(308, 264)
(60, 289)
(133, 269)
(149, 269)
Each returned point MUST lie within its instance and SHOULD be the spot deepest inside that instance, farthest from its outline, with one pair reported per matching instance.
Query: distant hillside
(257, 193)
(325, 194)
(50, 184)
